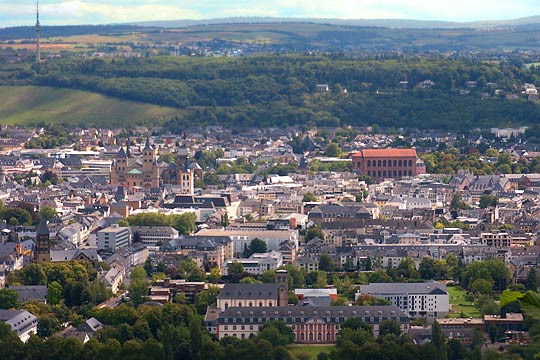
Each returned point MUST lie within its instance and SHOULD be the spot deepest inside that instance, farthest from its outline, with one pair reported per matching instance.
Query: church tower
(119, 168)
(43, 243)
(184, 175)
(282, 280)
(149, 167)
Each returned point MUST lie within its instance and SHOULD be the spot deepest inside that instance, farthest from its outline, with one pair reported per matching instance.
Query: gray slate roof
(404, 288)
(31, 292)
(249, 291)
(284, 313)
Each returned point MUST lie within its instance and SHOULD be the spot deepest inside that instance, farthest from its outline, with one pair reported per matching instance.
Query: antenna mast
(38, 30)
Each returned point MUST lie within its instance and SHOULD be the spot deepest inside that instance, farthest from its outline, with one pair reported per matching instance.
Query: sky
(68, 12)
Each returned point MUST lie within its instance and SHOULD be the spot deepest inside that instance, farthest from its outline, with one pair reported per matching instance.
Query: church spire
(128, 149)
(147, 145)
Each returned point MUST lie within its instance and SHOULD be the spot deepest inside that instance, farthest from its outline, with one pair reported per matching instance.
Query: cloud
(114, 11)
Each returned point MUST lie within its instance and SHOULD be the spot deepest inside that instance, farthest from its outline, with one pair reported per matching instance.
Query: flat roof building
(381, 164)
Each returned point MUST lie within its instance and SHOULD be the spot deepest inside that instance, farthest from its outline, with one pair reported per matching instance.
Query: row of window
(389, 173)
(389, 163)
(301, 320)
(250, 304)
(302, 337)
(242, 327)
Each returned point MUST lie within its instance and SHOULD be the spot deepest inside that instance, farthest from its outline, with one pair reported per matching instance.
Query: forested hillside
(279, 90)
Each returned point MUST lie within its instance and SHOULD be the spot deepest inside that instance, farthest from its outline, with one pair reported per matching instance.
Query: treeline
(280, 90)
(184, 223)
(74, 283)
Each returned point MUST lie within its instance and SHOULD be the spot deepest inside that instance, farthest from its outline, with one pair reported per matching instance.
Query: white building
(242, 238)
(113, 238)
(21, 321)
(153, 236)
(419, 300)
(75, 233)
(257, 263)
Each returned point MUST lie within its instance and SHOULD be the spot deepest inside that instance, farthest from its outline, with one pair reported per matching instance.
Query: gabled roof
(135, 172)
(249, 291)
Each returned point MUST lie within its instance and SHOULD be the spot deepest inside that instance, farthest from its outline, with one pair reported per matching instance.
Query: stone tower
(184, 175)
(282, 280)
(150, 167)
(43, 243)
(119, 167)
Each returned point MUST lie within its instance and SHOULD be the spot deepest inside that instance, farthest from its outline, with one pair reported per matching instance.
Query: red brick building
(385, 163)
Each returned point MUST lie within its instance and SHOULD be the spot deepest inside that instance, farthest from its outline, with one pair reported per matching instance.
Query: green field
(459, 304)
(310, 350)
(27, 105)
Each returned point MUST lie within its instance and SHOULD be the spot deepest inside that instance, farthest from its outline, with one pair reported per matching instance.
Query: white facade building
(257, 264)
(113, 238)
(419, 300)
(21, 321)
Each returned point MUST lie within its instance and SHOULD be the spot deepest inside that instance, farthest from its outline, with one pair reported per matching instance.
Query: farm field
(26, 105)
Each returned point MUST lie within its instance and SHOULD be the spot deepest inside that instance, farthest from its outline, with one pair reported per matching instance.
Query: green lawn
(459, 304)
(26, 105)
(310, 350)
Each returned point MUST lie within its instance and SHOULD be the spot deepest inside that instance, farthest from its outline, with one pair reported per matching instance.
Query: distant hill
(388, 23)
(29, 32)
(24, 105)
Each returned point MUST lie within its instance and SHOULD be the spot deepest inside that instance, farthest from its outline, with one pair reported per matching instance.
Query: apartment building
(419, 300)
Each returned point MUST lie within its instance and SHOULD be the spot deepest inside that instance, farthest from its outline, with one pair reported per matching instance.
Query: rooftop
(386, 153)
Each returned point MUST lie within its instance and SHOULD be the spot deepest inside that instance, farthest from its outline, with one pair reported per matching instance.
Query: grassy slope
(459, 304)
(309, 350)
(24, 105)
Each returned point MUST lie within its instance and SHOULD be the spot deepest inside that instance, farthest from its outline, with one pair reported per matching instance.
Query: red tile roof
(385, 153)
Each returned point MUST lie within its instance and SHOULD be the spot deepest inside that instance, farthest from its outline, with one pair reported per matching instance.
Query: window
(378, 162)
(384, 163)
(369, 163)
(302, 337)
(234, 327)
(410, 163)
(395, 162)
(226, 327)
(400, 163)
